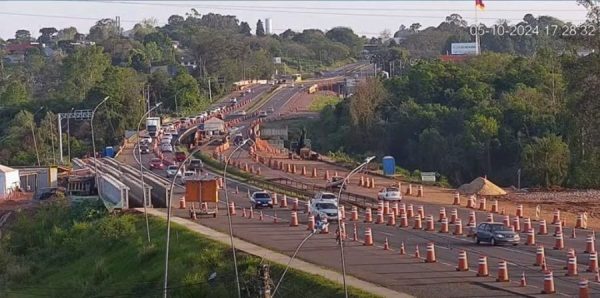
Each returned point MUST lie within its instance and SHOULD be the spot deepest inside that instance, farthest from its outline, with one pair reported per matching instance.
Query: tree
(456, 20)
(46, 34)
(385, 34)
(347, 37)
(364, 103)
(288, 34)
(185, 94)
(81, 71)
(17, 146)
(482, 130)
(245, 29)
(175, 20)
(67, 33)
(546, 160)
(23, 35)
(15, 94)
(147, 26)
(414, 27)
(260, 29)
(103, 30)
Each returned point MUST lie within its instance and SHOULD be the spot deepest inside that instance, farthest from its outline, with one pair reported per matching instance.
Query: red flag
(479, 4)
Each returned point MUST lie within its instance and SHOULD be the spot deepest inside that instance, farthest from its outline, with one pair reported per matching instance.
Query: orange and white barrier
(482, 204)
(456, 199)
(593, 262)
(556, 217)
(442, 214)
(430, 253)
(453, 215)
(354, 214)
(420, 191)
(429, 225)
(294, 219)
(463, 264)
(391, 220)
(232, 208)
(526, 225)
(458, 230)
(559, 242)
(311, 223)
(590, 245)
(506, 221)
(530, 237)
(548, 283)
(403, 220)
(379, 219)
(482, 267)
(584, 292)
(517, 224)
(409, 211)
(502, 272)
(409, 191)
(421, 211)
(368, 215)
(444, 226)
(283, 203)
(519, 212)
(542, 228)
(418, 225)
(368, 237)
(572, 266)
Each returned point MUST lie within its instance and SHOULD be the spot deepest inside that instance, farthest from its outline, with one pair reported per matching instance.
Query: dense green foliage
(182, 64)
(80, 251)
(491, 115)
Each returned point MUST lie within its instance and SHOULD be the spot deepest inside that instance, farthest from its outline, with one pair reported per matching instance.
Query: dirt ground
(301, 103)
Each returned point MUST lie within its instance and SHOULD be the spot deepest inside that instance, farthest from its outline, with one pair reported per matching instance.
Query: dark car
(336, 182)
(496, 233)
(180, 156)
(261, 199)
(144, 149)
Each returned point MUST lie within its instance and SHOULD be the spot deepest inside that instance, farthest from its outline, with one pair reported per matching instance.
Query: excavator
(303, 151)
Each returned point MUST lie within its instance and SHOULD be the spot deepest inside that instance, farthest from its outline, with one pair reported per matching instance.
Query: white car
(324, 209)
(187, 175)
(164, 147)
(325, 196)
(146, 139)
(172, 171)
(389, 194)
(241, 113)
(262, 114)
(167, 136)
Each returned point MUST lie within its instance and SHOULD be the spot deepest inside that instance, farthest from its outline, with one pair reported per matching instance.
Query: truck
(153, 126)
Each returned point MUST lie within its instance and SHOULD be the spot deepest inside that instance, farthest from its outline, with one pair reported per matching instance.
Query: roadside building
(9, 181)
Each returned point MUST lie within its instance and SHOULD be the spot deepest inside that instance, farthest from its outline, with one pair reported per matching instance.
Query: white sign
(277, 60)
(466, 48)
(428, 176)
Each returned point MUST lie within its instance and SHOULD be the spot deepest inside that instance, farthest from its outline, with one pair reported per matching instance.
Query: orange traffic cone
(244, 212)
(386, 244)
(409, 190)
(386, 208)
(420, 191)
(482, 268)
(311, 223)
(495, 206)
(526, 224)
(421, 211)
(368, 215)
(453, 216)
(391, 220)
(590, 245)
(283, 203)
(559, 243)
(482, 204)
(430, 253)
(295, 204)
(402, 209)
(558, 229)
(490, 217)
(294, 219)
(539, 256)
(502, 272)
(530, 237)
(442, 214)
(593, 262)
(458, 230)
(523, 280)
(573, 235)
(368, 237)
(354, 214)
(583, 289)
(517, 223)
(275, 200)
(418, 225)
(519, 212)
(417, 253)
(556, 217)
(506, 221)
(379, 219)
(572, 266)
(403, 220)
(542, 229)
(429, 224)
(409, 211)
(232, 208)
(548, 283)
(463, 264)
(402, 251)
(260, 216)
(251, 213)
(355, 237)
(182, 203)
(456, 199)
(444, 226)
(325, 229)
(314, 173)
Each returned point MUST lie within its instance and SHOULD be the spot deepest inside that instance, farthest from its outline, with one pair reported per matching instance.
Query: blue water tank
(389, 165)
(109, 151)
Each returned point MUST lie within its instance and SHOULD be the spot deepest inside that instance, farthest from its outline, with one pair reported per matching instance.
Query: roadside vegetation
(79, 250)
(322, 101)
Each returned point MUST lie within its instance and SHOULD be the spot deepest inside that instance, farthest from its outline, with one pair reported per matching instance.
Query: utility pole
(265, 281)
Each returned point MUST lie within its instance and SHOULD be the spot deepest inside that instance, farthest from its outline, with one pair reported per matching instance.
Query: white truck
(152, 126)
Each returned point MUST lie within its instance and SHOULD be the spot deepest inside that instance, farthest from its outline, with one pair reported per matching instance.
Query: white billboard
(465, 48)
(428, 176)
(277, 60)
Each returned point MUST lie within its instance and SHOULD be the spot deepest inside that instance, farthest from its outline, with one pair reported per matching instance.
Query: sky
(368, 18)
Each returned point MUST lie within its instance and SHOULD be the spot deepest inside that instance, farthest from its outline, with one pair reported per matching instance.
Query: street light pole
(367, 160)
(145, 199)
(94, 140)
(237, 277)
(168, 241)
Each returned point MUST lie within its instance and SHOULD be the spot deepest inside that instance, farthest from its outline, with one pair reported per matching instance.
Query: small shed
(214, 125)
(9, 181)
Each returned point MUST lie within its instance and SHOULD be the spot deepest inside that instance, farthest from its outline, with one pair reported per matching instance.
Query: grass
(81, 251)
(323, 101)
